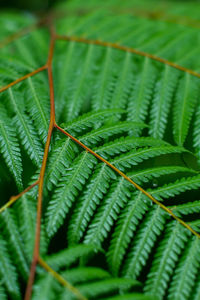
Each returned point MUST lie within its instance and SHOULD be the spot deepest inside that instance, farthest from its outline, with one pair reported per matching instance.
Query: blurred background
(32, 5)
(43, 5)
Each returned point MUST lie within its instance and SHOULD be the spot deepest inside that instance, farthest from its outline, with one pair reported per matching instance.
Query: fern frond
(164, 92)
(132, 296)
(26, 214)
(23, 51)
(11, 70)
(196, 132)
(137, 156)
(197, 290)
(142, 92)
(125, 144)
(177, 187)
(97, 135)
(79, 89)
(10, 229)
(38, 105)
(125, 82)
(66, 65)
(67, 190)
(166, 256)
(8, 272)
(185, 100)
(123, 88)
(188, 266)
(68, 256)
(38, 42)
(124, 230)
(3, 292)
(16, 21)
(16, 67)
(9, 147)
(26, 131)
(31, 50)
(103, 287)
(86, 205)
(104, 218)
(145, 175)
(89, 120)
(59, 161)
(187, 208)
(84, 274)
(42, 291)
(105, 81)
(148, 232)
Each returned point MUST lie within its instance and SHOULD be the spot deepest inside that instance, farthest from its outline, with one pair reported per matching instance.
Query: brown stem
(126, 49)
(60, 279)
(14, 198)
(131, 181)
(41, 178)
(18, 34)
(36, 258)
(23, 78)
(43, 21)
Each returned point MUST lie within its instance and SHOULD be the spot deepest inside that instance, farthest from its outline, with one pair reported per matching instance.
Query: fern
(184, 108)
(59, 160)
(178, 187)
(135, 157)
(147, 234)
(189, 265)
(10, 148)
(25, 128)
(8, 271)
(104, 219)
(196, 132)
(9, 227)
(142, 92)
(88, 202)
(124, 144)
(124, 231)
(89, 120)
(37, 105)
(124, 81)
(96, 135)
(68, 189)
(91, 281)
(164, 92)
(168, 251)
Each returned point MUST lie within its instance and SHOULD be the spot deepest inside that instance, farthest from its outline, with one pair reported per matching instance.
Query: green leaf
(8, 272)
(69, 186)
(9, 147)
(125, 82)
(185, 100)
(26, 131)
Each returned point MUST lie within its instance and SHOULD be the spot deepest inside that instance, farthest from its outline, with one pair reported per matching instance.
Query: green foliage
(101, 234)
(10, 147)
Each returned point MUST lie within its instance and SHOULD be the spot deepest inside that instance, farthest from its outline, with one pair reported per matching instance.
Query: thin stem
(41, 22)
(23, 78)
(36, 258)
(18, 34)
(60, 279)
(41, 178)
(169, 211)
(126, 49)
(14, 198)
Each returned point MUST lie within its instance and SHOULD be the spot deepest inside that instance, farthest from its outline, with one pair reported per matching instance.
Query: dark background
(32, 5)
(44, 5)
